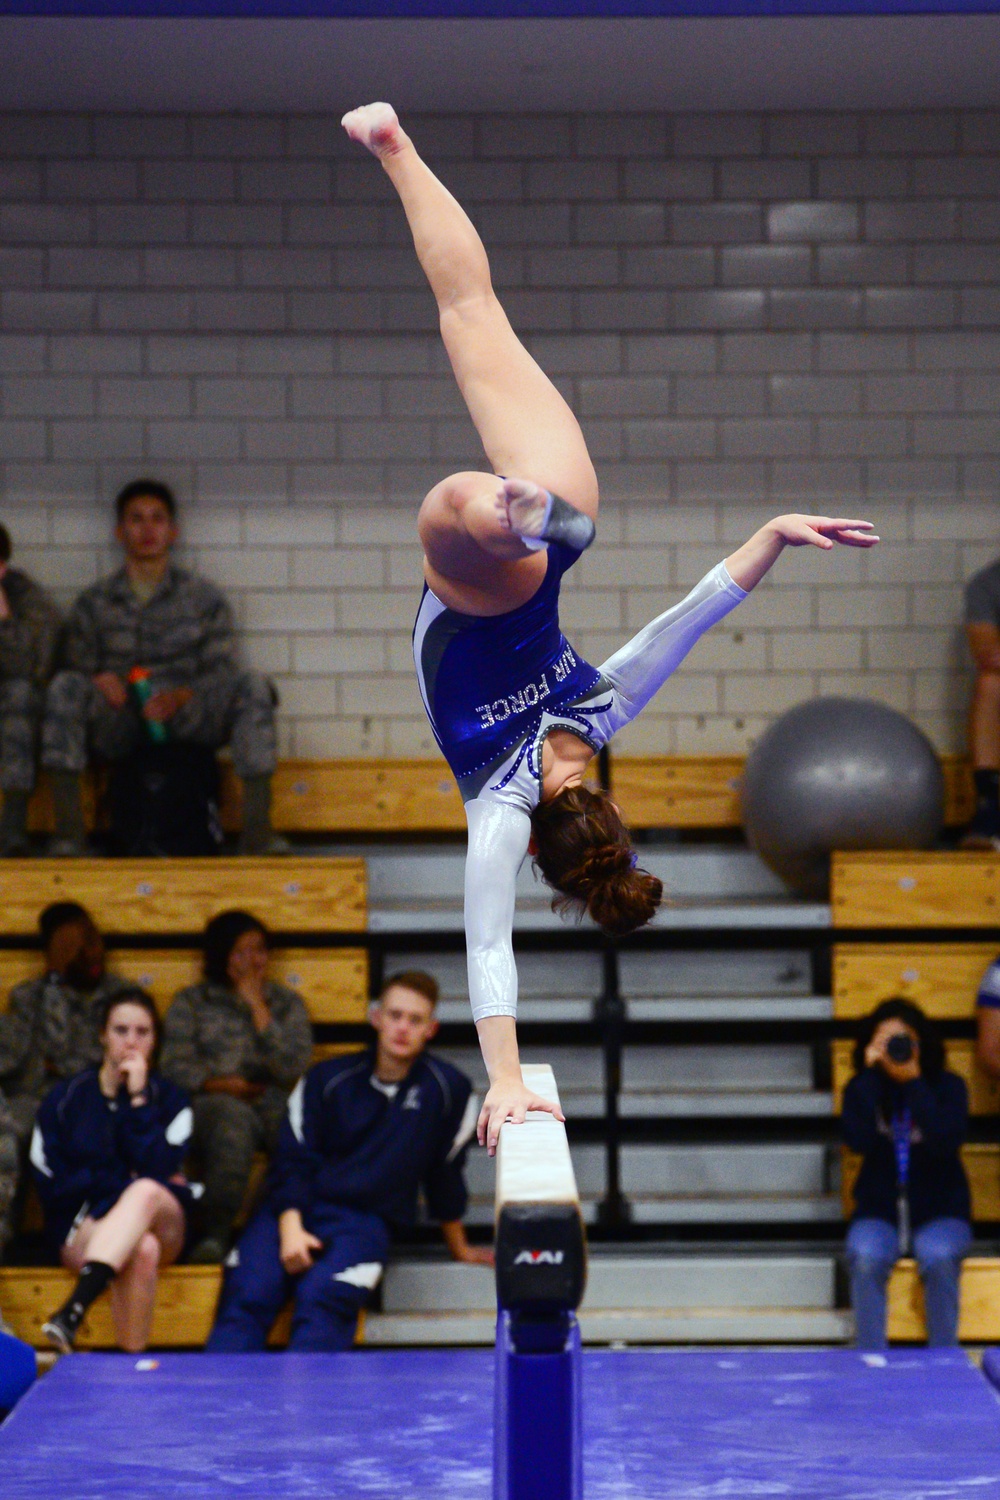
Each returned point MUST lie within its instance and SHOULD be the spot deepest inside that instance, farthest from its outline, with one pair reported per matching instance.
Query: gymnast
(517, 712)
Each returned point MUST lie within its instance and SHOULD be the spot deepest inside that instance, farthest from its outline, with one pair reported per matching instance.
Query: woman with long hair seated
(517, 712)
(106, 1153)
(906, 1115)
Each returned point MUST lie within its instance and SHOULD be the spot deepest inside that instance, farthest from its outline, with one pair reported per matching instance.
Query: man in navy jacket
(362, 1135)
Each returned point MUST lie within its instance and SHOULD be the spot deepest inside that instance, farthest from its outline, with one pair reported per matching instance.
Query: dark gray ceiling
(443, 65)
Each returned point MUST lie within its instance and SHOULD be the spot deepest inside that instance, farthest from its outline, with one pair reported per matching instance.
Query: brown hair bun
(584, 851)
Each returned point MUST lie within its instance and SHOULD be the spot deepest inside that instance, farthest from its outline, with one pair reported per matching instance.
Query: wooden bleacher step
(981, 1160)
(361, 795)
(942, 978)
(177, 896)
(332, 981)
(905, 889)
(187, 1298)
(979, 1304)
(960, 1056)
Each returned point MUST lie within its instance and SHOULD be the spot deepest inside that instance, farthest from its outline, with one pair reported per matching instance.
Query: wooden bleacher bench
(161, 897)
(942, 978)
(680, 791)
(979, 1305)
(960, 1055)
(332, 981)
(981, 1160)
(186, 1299)
(357, 796)
(905, 889)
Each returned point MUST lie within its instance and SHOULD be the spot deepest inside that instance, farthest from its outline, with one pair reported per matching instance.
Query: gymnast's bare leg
(471, 524)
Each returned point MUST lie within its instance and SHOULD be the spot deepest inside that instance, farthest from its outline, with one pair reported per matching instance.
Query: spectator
(907, 1116)
(238, 1042)
(29, 638)
(988, 1018)
(155, 616)
(9, 1177)
(106, 1153)
(18, 1368)
(52, 1025)
(361, 1135)
(982, 620)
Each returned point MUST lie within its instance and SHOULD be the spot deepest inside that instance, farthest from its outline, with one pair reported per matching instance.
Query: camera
(899, 1047)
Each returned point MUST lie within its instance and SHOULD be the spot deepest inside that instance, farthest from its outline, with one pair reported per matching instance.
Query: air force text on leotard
(528, 696)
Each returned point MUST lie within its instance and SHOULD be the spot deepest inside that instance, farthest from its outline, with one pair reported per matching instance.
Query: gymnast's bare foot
(523, 508)
(539, 517)
(377, 127)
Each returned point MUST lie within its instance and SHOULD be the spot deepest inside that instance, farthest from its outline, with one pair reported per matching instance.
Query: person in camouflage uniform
(238, 1043)
(29, 638)
(162, 619)
(9, 1176)
(51, 1028)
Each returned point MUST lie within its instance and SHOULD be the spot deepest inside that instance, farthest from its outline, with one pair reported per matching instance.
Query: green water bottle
(138, 679)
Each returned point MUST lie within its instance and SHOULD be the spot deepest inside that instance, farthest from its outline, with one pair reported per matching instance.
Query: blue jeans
(872, 1251)
(328, 1297)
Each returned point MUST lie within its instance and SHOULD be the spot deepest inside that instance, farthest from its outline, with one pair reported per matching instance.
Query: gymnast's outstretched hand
(510, 1099)
(747, 566)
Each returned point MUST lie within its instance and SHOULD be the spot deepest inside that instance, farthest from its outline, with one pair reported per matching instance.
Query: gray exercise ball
(839, 773)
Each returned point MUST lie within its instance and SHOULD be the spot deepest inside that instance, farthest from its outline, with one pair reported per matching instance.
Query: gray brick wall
(750, 313)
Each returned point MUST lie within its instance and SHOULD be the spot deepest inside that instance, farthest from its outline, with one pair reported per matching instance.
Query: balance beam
(541, 1270)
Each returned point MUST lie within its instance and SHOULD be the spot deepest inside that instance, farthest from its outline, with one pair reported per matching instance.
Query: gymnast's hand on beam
(509, 1099)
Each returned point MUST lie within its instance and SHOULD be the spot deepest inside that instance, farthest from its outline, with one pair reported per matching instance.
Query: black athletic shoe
(59, 1332)
(983, 832)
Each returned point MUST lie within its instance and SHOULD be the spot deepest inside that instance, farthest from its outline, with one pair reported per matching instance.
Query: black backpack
(164, 800)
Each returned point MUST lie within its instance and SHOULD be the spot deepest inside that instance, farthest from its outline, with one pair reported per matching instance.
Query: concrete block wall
(749, 313)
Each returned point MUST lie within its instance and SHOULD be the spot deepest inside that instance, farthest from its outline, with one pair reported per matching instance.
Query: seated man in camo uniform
(156, 617)
(29, 638)
(51, 1028)
(238, 1043)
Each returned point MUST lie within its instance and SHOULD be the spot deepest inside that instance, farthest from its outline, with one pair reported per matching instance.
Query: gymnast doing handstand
(517, 712)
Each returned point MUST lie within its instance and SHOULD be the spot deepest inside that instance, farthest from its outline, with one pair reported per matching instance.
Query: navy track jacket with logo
(344, 1142)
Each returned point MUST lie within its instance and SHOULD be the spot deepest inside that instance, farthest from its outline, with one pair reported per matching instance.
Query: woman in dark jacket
(906, 1116)
(106, 1154)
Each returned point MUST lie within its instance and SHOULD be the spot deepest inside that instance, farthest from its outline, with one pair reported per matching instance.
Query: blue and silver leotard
(487, 681)
(494, 687)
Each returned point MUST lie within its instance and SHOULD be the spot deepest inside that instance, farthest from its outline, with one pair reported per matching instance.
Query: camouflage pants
(227, 1132)
(238, 711)
(21, 705)
(15, 1130)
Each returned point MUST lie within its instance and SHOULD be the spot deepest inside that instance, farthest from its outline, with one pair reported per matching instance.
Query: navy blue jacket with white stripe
(345, 1143)
(86, 1148)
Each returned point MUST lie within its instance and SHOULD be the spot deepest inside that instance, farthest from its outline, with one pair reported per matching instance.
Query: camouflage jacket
(184, 635)
(8, 1169)
(50, 1031)
(209, 1033)
(29, 640)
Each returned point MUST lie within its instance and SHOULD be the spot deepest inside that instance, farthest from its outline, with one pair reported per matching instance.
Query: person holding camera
(906, 1115)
